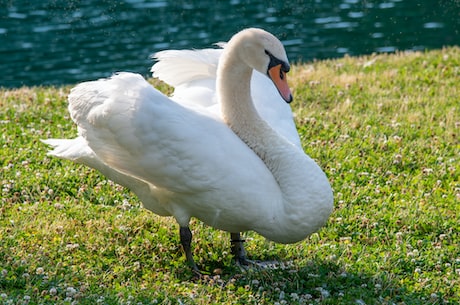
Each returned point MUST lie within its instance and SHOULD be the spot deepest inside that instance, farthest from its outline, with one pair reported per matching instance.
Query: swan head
(263, 52)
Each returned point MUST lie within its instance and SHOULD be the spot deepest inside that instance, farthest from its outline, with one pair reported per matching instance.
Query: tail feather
(69, 149)
(78, 151)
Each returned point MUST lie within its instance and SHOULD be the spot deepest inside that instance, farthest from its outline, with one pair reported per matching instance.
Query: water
(60, 42)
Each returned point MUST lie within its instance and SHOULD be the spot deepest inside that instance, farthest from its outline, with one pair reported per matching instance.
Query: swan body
(215, 150)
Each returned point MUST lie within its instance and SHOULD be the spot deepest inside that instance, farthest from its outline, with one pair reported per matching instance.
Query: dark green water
(60, 42)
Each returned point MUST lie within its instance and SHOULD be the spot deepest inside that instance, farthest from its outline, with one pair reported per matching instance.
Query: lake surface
(61, 42)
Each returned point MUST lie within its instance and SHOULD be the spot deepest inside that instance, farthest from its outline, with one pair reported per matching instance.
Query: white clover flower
(282, 295)
(70, 292)
(307, 296)
(324, 292)
(294, 296)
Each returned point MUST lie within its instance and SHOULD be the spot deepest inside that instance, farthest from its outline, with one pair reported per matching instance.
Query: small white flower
(294, 296)
(126, 205)
(40, 271)
(324, 292)
(53, 291)
(70, 292)
(307, 296)
(72, 246)
(282, 294)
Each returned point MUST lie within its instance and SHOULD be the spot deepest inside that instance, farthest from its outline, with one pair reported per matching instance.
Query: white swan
(234, 172)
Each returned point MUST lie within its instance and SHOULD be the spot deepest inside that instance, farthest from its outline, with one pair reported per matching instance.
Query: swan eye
(275, 62)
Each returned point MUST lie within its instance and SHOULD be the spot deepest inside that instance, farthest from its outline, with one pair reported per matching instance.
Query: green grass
(385, 128)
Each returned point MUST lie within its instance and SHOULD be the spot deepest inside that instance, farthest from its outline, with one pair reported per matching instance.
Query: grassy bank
(385, 129)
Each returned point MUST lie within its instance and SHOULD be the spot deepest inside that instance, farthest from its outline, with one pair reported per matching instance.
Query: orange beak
(278, 77)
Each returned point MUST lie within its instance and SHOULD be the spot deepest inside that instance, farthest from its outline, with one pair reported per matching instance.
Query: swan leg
(238, 250)
(186, 241)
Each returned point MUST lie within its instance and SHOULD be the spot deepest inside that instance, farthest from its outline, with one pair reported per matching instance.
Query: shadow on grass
(317, 282)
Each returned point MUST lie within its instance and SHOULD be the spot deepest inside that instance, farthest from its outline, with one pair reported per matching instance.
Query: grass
(385, 128)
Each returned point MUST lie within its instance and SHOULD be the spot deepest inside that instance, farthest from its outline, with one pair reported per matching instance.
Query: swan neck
(234, 87)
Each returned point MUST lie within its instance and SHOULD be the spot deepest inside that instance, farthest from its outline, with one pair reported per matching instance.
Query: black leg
(238, 249)
(186, 241)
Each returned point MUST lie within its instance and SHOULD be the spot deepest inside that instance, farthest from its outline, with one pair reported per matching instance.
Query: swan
(234, 169)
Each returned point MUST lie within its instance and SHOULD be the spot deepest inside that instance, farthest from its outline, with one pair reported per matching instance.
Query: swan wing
(199, 163)
(180, 67)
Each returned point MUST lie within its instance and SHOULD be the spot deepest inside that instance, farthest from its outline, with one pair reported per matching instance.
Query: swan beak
(278, 77)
